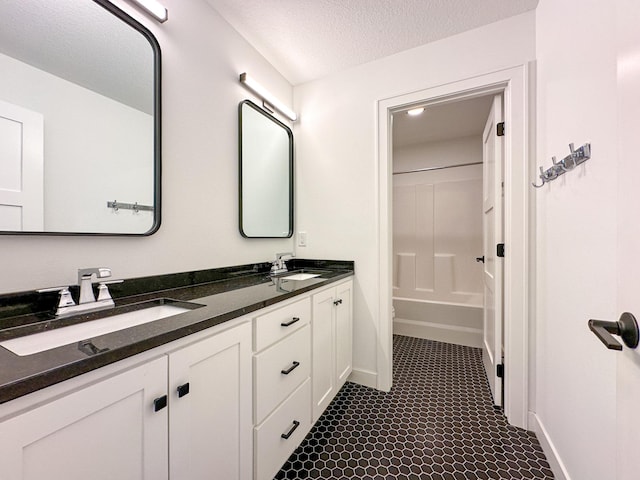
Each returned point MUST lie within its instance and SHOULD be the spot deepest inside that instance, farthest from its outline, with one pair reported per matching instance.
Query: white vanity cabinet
(282, 387)
(137, 423)
(231, 402)
(104, 431)
(210, 408)
(332, 333)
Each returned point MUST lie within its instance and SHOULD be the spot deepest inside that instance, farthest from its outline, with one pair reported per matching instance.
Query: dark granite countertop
(220, 294)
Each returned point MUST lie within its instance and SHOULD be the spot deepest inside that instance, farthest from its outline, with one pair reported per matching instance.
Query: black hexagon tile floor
(437, 423)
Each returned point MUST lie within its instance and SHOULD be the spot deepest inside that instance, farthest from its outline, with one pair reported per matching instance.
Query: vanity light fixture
(415, 111)
(266, 96)
(154, 8)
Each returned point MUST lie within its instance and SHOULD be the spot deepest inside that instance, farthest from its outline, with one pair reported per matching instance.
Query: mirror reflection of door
(21, 168)
(266, 174)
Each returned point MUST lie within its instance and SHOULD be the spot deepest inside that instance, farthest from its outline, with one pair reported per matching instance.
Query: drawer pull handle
(295, 425)
(183, 390)
(290, 369)
(338, 301)
(159, 403)
(290, 322)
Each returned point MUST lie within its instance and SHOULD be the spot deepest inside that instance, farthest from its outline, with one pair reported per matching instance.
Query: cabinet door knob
(290, 322)
(159, 403)
(338, 301)
(183, 390)
(287, 434)
(291, 368)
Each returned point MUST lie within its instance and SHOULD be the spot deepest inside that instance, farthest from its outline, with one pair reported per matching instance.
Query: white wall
(97, 141)
(437, 222)
(576, 233)
(202, 57)
(336, 137)
(438, 153)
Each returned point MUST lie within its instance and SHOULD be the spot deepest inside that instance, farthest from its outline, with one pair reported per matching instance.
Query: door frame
(513, 83)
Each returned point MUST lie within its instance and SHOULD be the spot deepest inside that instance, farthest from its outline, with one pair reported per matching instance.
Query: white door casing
(21, 169)
(628, 360)
(492, 146)
(513, 83)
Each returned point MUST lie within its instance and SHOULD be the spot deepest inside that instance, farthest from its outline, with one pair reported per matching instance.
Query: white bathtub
(459, 323)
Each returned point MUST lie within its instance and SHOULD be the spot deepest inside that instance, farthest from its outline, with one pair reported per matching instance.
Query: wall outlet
(302, 239)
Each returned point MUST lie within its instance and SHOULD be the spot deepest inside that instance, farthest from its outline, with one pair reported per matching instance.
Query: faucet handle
(103, 290)
(65, 300)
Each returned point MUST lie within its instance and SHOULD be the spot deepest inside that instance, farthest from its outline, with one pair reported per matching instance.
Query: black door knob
(626, 328)
(480, 259)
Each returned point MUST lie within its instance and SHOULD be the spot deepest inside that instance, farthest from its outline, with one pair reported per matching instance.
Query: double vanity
(206, 374)
(226, 385)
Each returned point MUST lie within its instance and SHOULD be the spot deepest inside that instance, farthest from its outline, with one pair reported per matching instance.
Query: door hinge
(500, 129)
(500, 370)
(500, 250)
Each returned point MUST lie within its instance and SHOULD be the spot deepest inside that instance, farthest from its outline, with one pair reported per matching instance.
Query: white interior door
(628, 360)
(21, 169)
(492, 233)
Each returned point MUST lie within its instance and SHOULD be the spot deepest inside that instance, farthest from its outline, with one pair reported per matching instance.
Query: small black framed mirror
(266, 174)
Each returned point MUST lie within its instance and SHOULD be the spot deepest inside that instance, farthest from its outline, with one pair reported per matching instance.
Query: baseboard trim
(555, 462)
(364, 377)
(470, 337)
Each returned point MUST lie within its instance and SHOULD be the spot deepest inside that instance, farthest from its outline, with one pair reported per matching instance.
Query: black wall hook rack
(568, 163)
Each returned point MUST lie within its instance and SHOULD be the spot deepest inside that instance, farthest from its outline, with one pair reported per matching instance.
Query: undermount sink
(302, 276)
(42, 341)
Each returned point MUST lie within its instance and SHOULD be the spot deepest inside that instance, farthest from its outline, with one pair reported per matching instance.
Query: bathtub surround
(445, 322)
(437, 236)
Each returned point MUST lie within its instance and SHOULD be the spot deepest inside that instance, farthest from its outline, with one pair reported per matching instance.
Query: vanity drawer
(272, 326)
(271, 449)
(279, 370)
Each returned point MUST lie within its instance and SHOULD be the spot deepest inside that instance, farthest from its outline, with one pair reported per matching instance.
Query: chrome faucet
(278, 265)
(85, 276)
(86, 300)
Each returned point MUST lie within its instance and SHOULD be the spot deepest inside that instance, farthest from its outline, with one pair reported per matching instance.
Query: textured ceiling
(308, 39)
(83, 43)
(442, 122)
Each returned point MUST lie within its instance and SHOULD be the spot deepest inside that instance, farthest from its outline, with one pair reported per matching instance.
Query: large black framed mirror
(79, 120)
(266, 174)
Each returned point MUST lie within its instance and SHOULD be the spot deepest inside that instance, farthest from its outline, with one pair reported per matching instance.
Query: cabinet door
(323, 351)
(210, 426)
(108, 430)
(344, 333)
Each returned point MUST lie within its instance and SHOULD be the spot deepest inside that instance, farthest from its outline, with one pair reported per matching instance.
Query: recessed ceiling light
(415, 111)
